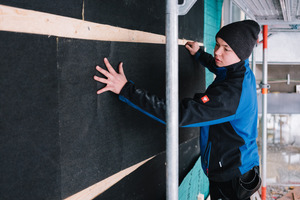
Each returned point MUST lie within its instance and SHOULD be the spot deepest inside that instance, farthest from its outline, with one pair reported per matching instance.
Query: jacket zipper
(207, 156)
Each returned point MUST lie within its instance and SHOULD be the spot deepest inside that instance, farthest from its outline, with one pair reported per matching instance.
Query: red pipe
(264, 91)
(263, 193)
(265, 46)
(265, 36)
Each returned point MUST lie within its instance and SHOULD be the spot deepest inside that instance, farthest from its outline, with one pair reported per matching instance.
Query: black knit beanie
(240, 36)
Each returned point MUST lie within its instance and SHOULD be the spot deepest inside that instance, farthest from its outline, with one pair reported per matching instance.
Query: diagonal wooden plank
(100, 187)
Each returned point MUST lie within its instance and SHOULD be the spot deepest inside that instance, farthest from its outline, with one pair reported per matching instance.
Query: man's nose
(218, 51)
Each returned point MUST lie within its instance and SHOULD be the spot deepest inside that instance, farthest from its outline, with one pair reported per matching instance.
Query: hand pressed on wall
(115, 81)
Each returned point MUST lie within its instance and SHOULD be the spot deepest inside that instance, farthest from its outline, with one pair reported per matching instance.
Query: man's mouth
(217, 60)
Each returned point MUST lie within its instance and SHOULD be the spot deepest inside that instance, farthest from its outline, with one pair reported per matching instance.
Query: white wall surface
(282, 47)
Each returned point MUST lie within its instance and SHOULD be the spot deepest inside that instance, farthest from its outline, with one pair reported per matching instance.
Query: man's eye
(227, 50)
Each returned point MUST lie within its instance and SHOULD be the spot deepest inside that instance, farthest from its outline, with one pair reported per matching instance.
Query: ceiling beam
(277, 30)
(244, 8)
(273, 22)
(286, 9)
(298, 9)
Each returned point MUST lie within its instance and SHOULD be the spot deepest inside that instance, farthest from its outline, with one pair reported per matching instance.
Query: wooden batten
(34, 22)
(100, 187)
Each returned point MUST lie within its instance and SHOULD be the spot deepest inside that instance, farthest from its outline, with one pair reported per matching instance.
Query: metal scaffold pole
(172, 130)
(264, 91)
(172, 99)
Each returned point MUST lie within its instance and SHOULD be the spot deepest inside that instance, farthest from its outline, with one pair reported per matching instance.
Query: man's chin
(219, 65)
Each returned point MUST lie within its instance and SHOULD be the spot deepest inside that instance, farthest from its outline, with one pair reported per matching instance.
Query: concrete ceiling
(280, 15)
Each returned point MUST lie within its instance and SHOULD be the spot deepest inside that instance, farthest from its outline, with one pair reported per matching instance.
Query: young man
(226, 112)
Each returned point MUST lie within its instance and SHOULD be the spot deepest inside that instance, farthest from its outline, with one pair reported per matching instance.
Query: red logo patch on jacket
(205, 99)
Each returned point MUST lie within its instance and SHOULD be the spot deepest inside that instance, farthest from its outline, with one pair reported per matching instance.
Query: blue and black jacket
(226, 113)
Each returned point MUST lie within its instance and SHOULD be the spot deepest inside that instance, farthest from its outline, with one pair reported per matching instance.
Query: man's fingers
(188, 47)
(105, 89)
(189, 42)
(109, 67)
(102, 80)
(103, 71)
(121, 70)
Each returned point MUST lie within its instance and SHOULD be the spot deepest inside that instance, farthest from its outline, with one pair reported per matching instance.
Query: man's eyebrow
(224, 45)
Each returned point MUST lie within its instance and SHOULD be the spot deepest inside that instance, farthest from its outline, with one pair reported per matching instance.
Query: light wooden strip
(34, 22)
(100, 187)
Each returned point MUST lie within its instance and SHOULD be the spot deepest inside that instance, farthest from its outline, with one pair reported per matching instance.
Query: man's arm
(192, 112)
(202, 110)
(206, 59)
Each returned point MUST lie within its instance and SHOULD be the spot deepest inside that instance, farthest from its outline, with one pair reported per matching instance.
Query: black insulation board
(100, 135)
(148, 182)
(67, 8)
(191, 25)
(29, 129)
(57, 135)
(146, 16)
(56, 131)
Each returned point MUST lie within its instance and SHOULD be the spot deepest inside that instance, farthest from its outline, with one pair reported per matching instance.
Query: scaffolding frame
(173, 10)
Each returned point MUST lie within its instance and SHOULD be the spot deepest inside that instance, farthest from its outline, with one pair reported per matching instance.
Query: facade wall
(282, 48)
(58, 138)
(282, 78)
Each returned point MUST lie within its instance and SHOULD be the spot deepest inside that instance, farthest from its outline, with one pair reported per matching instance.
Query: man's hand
(193, 47)
(115, 81)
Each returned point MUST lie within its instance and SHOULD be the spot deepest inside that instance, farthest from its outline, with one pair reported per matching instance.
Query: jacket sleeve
(202, 110)
(207, 60)
(143, 101)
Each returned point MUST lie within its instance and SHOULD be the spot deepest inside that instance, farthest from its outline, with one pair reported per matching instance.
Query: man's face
(223, 54)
